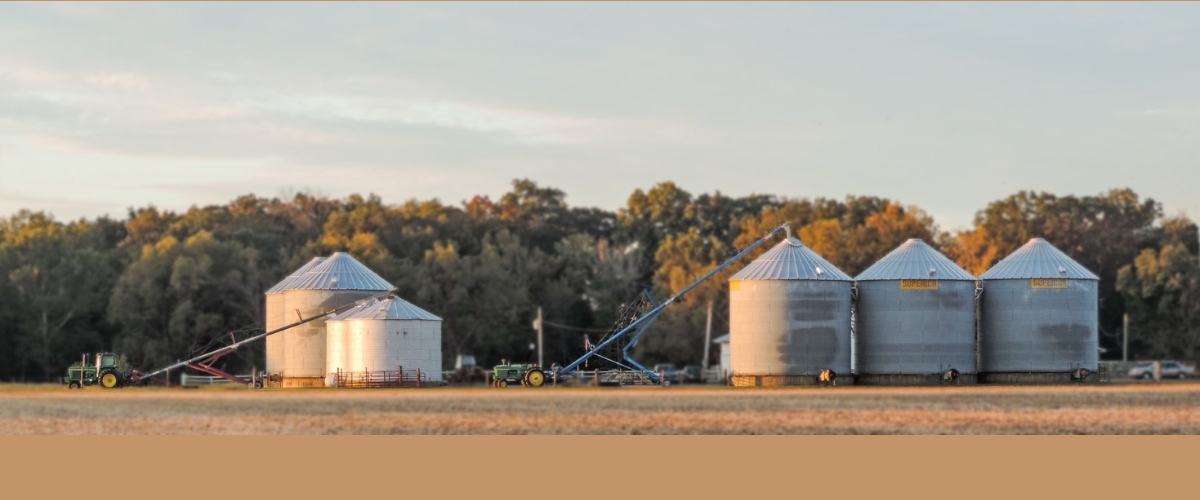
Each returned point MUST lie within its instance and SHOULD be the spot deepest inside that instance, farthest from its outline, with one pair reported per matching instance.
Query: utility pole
(707, 334)
(1125, 338)
(541, 362)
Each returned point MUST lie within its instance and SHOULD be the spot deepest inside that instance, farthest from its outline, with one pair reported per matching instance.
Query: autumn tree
(1102, 232)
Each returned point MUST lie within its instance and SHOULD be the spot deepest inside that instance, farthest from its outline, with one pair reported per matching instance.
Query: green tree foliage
(1162, 293)
(57, 278)
(160, 284)
(182, 295)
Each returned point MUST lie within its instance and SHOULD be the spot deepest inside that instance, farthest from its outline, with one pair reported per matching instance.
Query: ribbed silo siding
(387, 345)
(304, 345)
(336, 347)
(274, 319)
(789, 327)
(1027, 329)
(915, 331)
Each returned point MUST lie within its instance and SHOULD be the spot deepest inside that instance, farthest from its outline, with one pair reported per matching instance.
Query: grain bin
(277, 315)
(384, 335)
(1039, 318)
(915, 319)
(789, 315)
(338, 281)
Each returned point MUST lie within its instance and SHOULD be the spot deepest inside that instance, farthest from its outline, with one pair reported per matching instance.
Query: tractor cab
(106, 360)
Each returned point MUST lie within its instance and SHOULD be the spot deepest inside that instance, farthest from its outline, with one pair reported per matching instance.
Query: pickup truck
(1170, 369)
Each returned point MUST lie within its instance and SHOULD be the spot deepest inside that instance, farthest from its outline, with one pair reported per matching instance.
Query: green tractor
(105, 372)
(527, 375)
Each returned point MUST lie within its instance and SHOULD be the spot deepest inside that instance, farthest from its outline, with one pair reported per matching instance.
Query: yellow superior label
(918, 284)
(1048, 283)
(735, 285)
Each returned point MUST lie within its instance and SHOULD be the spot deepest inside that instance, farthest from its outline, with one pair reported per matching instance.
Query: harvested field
(1169, 408)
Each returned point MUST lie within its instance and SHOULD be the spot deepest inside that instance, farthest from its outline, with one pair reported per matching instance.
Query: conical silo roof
(1038, 259)
(389, 308)
(914, 259)
(791, 260)
(283, 285)
(340, 272)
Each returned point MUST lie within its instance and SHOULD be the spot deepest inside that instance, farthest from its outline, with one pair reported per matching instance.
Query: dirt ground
(1168, 408)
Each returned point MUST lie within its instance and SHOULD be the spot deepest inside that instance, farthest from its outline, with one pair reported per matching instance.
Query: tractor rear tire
(535, 378)
(109, 380)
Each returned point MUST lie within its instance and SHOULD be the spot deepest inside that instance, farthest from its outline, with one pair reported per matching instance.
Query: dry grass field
(1169, 408)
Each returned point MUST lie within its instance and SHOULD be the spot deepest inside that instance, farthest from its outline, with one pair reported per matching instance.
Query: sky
(945, 106)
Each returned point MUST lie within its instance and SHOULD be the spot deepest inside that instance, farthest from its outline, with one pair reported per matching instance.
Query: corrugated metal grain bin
(277, 317)
(915, 319)
(338, 281)
(789, 314)
(1039, 317)
(384, 335)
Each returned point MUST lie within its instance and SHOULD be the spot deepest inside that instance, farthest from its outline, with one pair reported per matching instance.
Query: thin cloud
(525, 126)
(123, 81)
(1172, 112)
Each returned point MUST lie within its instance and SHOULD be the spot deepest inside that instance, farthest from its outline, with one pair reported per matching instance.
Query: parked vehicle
(692, 374)
(1170, 369)
(103, 372)
(669, 372)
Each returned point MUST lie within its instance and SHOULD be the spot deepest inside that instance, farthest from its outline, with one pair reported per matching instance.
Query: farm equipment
(629, 371)
(103, 372)
(106, 373)
(526, 375)
(465, 371)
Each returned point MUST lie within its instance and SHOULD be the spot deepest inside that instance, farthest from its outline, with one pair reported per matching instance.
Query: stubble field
(1172, 408)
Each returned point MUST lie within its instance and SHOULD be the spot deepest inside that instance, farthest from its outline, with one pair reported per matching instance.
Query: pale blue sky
(946, 106)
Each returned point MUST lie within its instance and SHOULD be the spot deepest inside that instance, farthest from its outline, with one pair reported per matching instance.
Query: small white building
(384, 335)
(723, 346)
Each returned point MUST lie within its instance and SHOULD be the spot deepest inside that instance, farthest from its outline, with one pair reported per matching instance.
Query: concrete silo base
(1047, 378)
(304, 382)
(914, 379)
(785, 380)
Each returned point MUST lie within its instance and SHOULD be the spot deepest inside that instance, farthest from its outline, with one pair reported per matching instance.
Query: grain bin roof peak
(1038, 259)
(914, 259)
(340, 272)
(791, 260)
(387, 308)
(285, 284)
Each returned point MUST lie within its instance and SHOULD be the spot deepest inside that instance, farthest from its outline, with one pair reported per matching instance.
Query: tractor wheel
(502, 383)
(535, 378)
(73, 385)
(109, 380)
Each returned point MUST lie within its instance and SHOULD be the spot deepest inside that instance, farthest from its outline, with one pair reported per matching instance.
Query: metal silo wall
(336, 347)
(387, 345)
(915, 331)
(789, 327)
(274, 319)
(1028, 330)
(304, 345)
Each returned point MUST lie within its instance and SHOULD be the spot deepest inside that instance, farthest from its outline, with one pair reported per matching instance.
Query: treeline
(159, 285)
